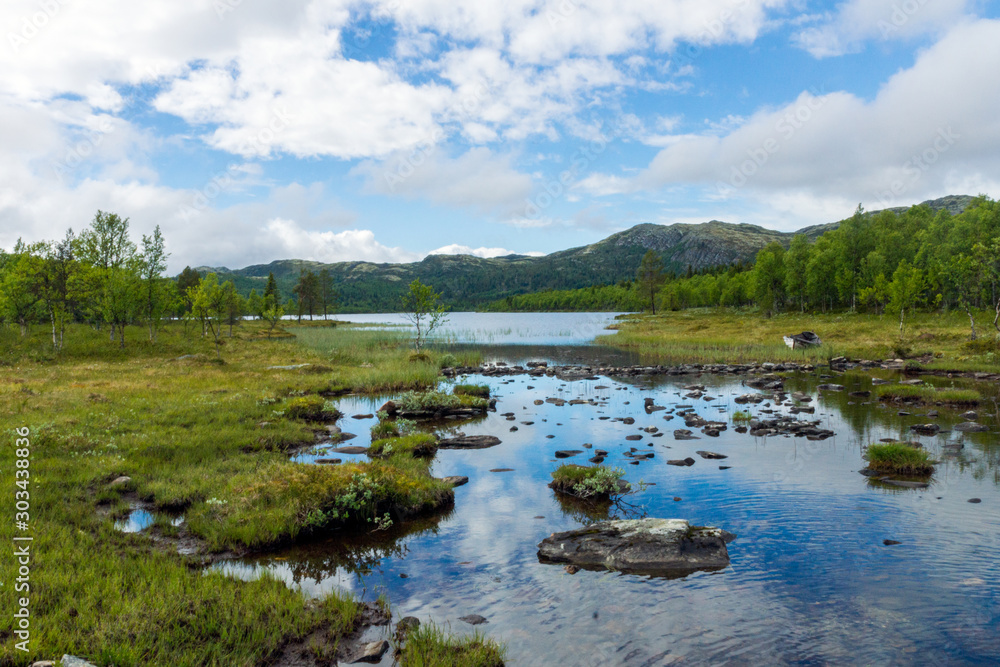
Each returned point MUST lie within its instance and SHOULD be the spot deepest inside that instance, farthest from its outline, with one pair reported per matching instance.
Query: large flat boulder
(658, 547)
(469, 442)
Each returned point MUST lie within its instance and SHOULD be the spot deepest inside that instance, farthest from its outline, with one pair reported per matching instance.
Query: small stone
(369, 652)
(677, 499)
(120, 481)
(572, 569)
(408, 623)
(890, 543)
(975, 500)
(73, 661)
(473, 619)
(502, 470)
(43, 663)
(455, 480)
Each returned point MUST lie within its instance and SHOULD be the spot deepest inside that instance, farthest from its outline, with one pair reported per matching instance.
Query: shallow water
(810, 580)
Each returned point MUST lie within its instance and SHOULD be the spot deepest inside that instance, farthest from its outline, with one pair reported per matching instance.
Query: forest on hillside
(888, 262)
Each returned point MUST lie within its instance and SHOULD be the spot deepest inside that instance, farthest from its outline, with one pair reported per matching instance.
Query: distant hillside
(466, 282)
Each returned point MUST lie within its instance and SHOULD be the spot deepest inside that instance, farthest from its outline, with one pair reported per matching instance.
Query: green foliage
(650, 276)
(422, 306)
(589, 481)
(899, 458)
(392, 428)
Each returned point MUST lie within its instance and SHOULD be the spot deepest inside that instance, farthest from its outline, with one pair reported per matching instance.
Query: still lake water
(810, 582)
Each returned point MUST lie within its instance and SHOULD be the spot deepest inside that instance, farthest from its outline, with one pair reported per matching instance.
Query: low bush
(898, 458)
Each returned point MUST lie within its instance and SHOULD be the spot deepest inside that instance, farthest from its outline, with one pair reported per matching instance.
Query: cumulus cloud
(477, 179)
(928, 128)
(858, 21)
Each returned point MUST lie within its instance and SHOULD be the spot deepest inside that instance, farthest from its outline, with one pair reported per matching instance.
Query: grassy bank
(710, 335)
(206, 438)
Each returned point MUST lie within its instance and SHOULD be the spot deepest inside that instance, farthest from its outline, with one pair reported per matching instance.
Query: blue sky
(339, 130)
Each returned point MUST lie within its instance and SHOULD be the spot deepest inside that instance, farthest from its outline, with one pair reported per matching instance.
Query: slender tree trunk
(52, 316)
(902, 312)
(997, 318)
(972, 322)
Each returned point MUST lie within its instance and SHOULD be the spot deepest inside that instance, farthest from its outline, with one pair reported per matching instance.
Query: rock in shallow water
(658, 547)
(469, 442)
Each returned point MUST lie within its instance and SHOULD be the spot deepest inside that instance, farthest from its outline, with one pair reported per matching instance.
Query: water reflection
(811, 580)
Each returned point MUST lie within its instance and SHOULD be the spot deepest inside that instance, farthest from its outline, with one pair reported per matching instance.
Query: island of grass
(595, 482)
(436, 405)
(897, 458)
(211, 441)
(414, 445)
(926, 394)
(428, 646)
(480, 390)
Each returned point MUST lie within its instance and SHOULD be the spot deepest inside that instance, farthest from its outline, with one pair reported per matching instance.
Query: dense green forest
(890, 261)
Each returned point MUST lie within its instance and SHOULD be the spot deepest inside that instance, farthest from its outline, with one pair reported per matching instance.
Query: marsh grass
(480, 390)
(928, 394)
(722, 335)
(900, 459)
(429, 646)
(206, 439)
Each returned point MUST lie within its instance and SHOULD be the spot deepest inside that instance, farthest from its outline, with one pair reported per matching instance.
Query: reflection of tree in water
(450, 428)
(356, 552)
(589, 510)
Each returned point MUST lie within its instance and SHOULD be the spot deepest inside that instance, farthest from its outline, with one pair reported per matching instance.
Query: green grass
(900, 459)
(724, 335)
(740, 417)
(927, 393)
(416, 445)
(430, 646)
(413, 401)
(206, 439)
(480, 390)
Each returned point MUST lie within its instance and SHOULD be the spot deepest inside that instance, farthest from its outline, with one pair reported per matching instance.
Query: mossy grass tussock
(430, 646)
(596, 482)
(210, 441)
(899, 459)
(928, 394)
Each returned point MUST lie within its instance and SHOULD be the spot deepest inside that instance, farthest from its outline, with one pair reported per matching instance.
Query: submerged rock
(473, 619)
(369, 652)
(971, 427)
(658, 547)
(456, 480)
(469, 442)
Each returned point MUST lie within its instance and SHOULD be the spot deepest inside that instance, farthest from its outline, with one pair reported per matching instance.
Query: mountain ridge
(466, 281)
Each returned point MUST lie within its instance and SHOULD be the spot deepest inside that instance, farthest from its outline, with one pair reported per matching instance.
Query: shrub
(391, 428)
(899, 458)
(589, 482)
(447, 361)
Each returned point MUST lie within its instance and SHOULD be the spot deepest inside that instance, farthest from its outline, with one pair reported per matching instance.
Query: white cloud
(288, 239)
(456, 249)
(858, 21)
(928, 127)
(477, 179)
